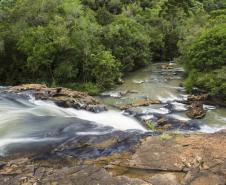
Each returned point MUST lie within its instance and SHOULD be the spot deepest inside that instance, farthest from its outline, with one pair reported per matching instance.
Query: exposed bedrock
(191, 159)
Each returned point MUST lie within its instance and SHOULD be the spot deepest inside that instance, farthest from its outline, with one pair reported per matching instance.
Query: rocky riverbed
(59, 136)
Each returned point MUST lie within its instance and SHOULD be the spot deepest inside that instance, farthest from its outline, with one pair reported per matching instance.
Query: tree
(129, 42)
(207, 61)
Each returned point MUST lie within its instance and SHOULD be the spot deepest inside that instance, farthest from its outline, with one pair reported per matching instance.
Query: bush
(90, 88)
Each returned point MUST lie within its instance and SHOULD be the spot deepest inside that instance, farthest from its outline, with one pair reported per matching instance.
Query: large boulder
(196, 110)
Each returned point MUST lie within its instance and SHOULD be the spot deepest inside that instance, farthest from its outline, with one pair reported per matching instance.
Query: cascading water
(25, 121)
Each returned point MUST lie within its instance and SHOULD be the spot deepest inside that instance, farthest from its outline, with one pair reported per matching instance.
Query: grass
(165, 137)
(150, 125)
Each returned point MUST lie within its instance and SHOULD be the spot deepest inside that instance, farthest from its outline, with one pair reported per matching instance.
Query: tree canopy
(93, 43)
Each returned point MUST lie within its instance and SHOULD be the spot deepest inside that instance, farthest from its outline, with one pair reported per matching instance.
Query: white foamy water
(179, 106)
(170, 98)
(161, 110)
(209, 107)
(211, 129)
(5, 142)
(179, 117)
(111, 118)
(34, 121)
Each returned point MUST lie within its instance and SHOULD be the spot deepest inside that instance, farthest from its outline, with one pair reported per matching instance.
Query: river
(155, 82)
(29, 124)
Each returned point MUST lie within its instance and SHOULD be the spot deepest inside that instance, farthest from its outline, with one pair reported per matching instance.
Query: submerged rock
(63, 97)
(196, 110)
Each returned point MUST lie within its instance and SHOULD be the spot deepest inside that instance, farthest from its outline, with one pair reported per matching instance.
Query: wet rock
(2, 165)
(162, 122)
(63, 97)
(196, 110)
(96, 108)
(114, 94)
(206, 99)
(139, 103)
(167, 123)
(195, 98)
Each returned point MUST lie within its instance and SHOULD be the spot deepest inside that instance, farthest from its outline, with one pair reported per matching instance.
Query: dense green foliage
(91, 44)
(204, 53)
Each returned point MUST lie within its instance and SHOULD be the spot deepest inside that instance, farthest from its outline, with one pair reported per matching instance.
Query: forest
(91, 45)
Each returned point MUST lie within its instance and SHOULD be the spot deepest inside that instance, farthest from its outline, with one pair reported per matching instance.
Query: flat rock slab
(190, 159)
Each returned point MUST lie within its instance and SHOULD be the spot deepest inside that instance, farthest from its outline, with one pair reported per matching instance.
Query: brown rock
(196, 111)
(177, 160)
(25, 87)
(139, 103)
(209, 179)
(61, 96)
(202, 97)
(164, 179)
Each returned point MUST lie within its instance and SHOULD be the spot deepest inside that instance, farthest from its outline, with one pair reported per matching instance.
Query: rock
(196, 111)
(63, 97)
(139, 103)
(114, 94)
(2, 165)
(133, 91)
(164, 125)
(26, 87)
(206, 99)
(179, 159)
(96, 108)
(164, 179)
(208, 179)
(162, 122)
(202, 97)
